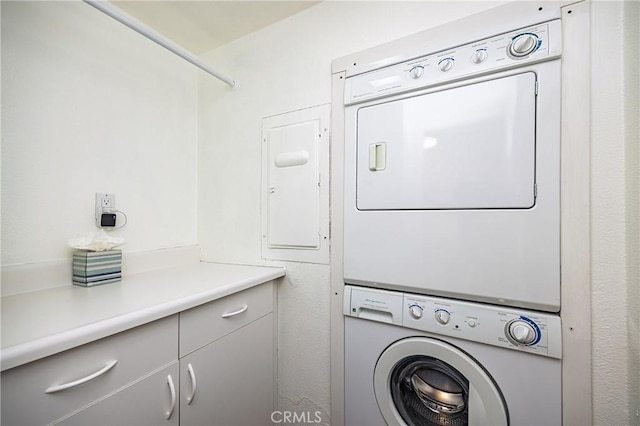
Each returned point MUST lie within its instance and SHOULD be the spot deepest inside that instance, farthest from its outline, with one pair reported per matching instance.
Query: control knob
(442, 316)
(415, 311)
(416, 72)
(521, 332)
(446, 64)
(522, 45)
(479, 56)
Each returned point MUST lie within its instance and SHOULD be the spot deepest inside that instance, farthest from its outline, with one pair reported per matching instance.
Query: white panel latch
(377, 156)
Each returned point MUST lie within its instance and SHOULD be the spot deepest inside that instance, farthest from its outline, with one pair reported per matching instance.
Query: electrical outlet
(105, 201)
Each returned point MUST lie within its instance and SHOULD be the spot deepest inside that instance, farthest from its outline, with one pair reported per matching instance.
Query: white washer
(418, 360)
(452, 172)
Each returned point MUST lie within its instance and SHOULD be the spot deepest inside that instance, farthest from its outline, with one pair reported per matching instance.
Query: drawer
(137, 352)
(206, 323)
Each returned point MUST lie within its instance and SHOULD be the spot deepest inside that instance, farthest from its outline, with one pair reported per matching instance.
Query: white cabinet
(233, 382)
(49, 389)
(227, 370)
(206, 323)
(153, 401)
(221, 354)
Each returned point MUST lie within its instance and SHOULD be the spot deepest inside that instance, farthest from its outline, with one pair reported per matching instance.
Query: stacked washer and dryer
(452, 235)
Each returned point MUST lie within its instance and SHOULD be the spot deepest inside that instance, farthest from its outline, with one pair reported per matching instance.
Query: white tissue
(96, 241)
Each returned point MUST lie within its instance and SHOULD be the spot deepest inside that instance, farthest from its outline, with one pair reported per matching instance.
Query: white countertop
(42, 323)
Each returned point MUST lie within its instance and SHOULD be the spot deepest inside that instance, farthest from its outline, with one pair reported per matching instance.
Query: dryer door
(425, 381)
(470, 147)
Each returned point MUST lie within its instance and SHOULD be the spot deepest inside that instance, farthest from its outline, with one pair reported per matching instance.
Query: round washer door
(425, 381)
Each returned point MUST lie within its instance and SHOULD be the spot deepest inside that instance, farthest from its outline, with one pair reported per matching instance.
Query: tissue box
(97, 267)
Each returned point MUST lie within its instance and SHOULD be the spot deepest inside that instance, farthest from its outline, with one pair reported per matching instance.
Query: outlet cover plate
(105, 201)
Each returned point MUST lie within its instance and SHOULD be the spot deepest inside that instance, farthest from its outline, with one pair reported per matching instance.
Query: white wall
(90, 106)
(286, 67)
(614, 148)
(631, 14)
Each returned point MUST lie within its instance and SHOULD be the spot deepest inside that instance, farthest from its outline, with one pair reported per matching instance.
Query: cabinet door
(234, 379)
(152, 401)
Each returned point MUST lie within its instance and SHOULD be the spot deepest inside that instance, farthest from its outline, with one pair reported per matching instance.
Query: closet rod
(103, 7)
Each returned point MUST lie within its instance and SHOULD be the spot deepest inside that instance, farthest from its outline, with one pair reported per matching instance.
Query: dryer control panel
(528, 331)
(513, 49)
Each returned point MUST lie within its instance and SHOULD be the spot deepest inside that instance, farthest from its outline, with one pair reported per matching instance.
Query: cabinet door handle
(194, 385)
(234, 313)
(172, 389)
(58, 388)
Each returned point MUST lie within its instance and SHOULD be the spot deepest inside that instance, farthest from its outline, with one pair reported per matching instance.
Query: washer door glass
(426, 381)
(428, 391)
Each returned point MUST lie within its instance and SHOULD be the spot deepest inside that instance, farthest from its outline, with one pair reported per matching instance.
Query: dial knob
(416, 72)
(446, 64)
(415, 311)
(522, 45)
(521, 332)
(442, 316)
(479, 56)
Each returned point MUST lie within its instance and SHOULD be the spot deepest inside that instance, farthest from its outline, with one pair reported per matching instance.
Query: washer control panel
(528, 331)
(516, 48)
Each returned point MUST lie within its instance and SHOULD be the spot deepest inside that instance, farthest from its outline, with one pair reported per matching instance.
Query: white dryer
(452, 172)
(419, 360)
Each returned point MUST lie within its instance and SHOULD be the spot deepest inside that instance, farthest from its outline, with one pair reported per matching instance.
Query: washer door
(425, 381)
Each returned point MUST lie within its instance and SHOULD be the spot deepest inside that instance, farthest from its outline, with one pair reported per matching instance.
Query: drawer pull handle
(172, 389)
(78, 382)
(234, 313)
(194, 385)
